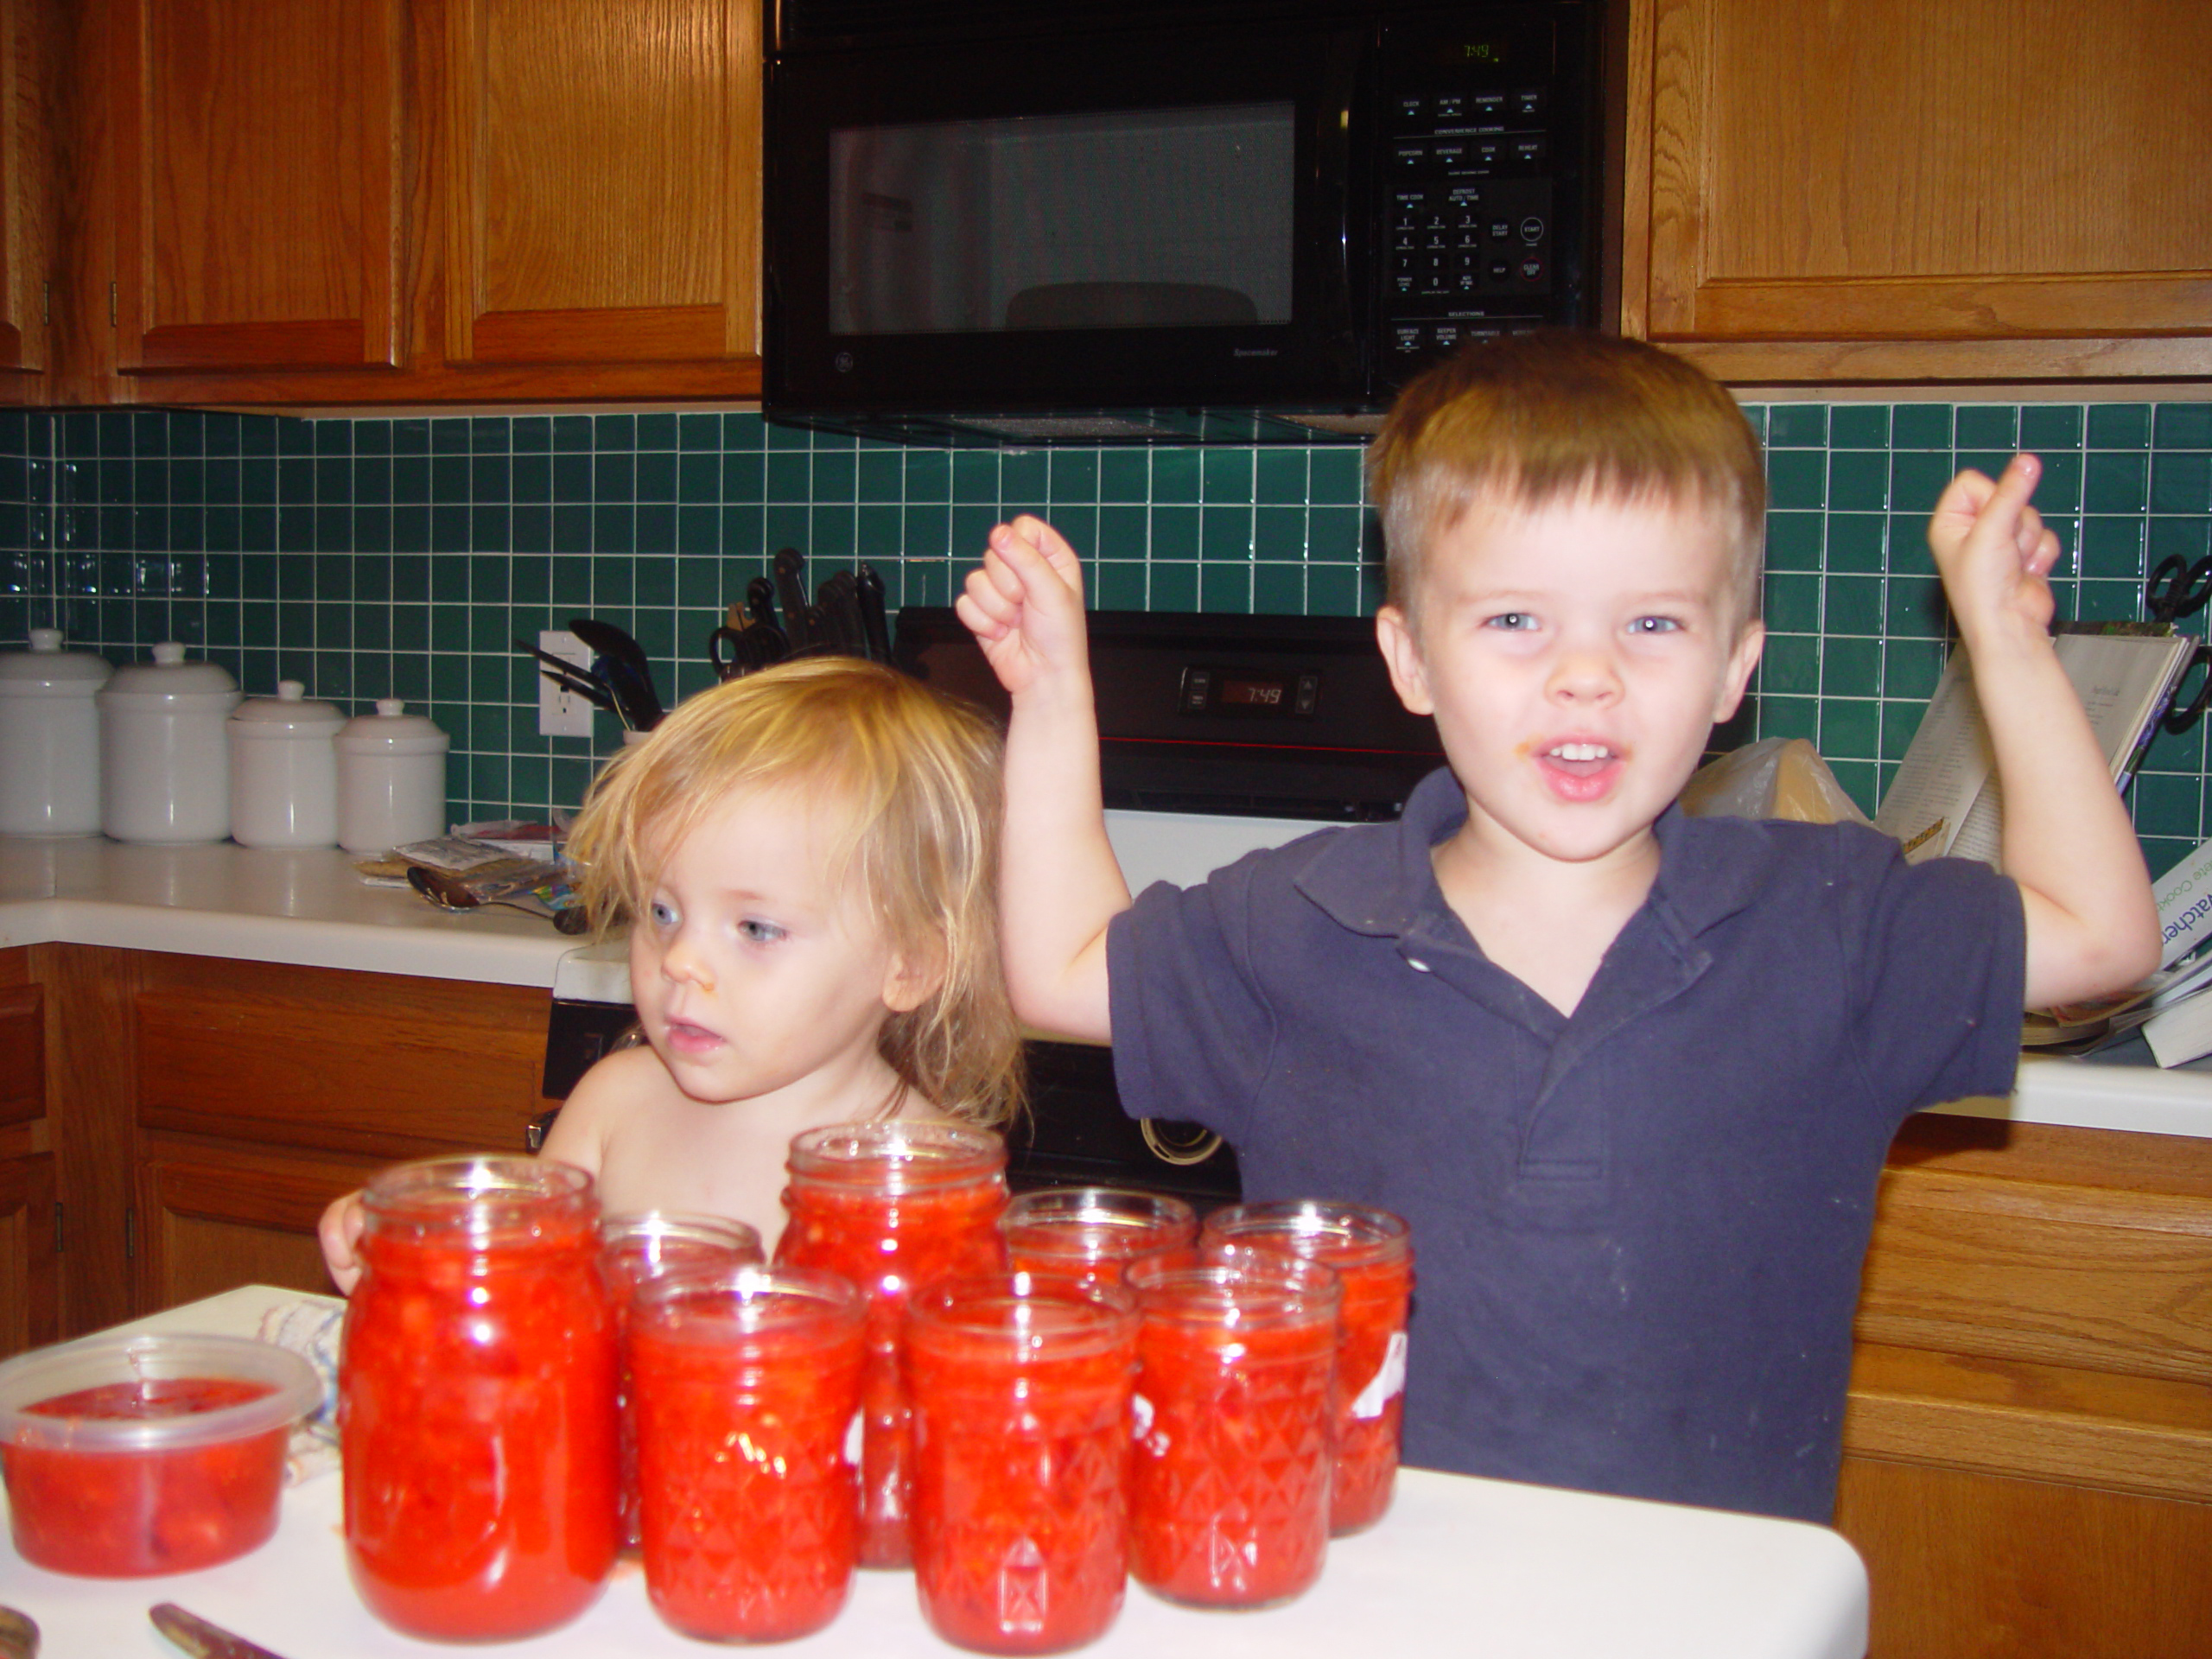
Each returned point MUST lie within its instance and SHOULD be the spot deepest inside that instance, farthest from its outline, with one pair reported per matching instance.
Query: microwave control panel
(1481, 136)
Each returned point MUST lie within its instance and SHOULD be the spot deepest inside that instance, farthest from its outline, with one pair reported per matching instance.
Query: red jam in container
(476, 1400)
(1372, 1250)
(1230, 1491)
(128, 1457)
(747, 1388)
(1021, 1389)
(893, 1205)
(1088, 1232)
(652, 1244)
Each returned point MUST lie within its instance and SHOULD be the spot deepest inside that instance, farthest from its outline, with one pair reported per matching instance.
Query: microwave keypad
(1470, 224)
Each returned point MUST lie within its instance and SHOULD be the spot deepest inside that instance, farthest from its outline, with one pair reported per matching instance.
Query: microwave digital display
(1123, 219)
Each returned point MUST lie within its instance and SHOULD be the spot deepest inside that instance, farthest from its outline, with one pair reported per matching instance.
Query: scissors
(2177, 589)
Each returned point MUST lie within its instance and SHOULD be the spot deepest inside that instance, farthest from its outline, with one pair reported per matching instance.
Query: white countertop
(1457, 1566)
(306, 908)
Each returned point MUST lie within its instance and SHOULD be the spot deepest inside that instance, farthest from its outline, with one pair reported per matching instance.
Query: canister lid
(391, 730)
(291, 710)
(170, 679)
(46, 670)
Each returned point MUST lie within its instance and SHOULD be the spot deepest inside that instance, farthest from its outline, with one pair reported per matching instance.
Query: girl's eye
(664, 913)
(1655, 625)
(1513, 621)
(759, 933)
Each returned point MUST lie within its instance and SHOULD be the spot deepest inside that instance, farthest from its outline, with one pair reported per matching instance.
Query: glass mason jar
(748, 1387)
(893, 1205)
(1372, 1251)
(476, 1400)
(1088, 1232)
(650, 1244)
(1021, 1386)
(1229, 1492)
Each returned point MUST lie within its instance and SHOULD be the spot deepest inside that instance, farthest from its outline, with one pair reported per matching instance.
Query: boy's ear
(1741, 661)
(1394, 633)
(912, 978)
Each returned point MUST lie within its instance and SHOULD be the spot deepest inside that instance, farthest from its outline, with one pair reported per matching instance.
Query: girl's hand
(1024, 604)
(341, 1232)
(1994, 551)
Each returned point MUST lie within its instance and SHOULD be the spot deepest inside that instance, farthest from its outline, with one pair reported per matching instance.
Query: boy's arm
(2092, 926)
(1058, 882)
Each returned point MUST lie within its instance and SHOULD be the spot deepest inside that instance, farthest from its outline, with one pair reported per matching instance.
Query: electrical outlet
(563, 713)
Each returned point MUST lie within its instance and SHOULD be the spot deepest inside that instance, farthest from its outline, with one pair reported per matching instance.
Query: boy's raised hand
(1993, 548)
(1024, 603)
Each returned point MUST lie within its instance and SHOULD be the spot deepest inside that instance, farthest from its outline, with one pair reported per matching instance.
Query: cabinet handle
(59, 1236)
(130, 1233)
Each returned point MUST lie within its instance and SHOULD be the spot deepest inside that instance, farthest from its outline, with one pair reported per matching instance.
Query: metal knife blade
(197, 1636)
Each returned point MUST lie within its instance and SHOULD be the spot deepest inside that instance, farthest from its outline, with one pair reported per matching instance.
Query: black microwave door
(1075, 220)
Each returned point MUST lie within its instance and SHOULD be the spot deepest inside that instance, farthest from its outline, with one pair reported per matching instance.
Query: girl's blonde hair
(917, 777)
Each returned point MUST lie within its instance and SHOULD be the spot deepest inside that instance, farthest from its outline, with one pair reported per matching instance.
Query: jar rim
(721, 1304)
(1248, 1293)
(897, 1154)
(1344, 1235)
(486, 1195)
(1021, 1313)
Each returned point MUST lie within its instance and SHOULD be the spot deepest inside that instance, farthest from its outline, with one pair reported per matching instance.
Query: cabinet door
(259, 174)
(30, 1302)
(210, 1222)
(1890, 189)
(603, 192)
(24, 160)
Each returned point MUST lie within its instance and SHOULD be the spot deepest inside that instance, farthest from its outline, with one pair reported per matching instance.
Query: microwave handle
(1337, 142)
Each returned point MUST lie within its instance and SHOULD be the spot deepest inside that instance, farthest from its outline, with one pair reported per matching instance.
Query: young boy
(1631, 1076)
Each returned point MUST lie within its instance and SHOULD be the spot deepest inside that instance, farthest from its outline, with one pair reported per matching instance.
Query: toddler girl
(807, 858)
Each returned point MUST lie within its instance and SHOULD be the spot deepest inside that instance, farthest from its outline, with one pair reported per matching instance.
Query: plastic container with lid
(129, 1457)
(165, 761)
(284, 770)
(391, 779)
(50, 739)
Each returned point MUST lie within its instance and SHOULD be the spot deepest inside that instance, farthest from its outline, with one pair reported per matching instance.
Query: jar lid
(391, 730)
(169, 679)
(291, 710)
(46, 669)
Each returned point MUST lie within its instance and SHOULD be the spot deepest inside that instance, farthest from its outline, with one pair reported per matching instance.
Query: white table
(1458, 1566)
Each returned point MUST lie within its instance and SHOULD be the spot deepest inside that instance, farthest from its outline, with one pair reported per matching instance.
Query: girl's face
(755, 973)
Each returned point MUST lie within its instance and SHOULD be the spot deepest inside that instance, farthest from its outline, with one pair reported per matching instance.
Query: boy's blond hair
(1534, 418)
(917, 776)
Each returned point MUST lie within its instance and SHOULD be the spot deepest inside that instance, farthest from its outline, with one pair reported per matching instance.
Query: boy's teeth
(1581, 751)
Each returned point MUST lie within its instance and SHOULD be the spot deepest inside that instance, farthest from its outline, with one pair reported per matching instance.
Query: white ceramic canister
(284, 770)
(50, 739)
(165, 762)
(391, 779)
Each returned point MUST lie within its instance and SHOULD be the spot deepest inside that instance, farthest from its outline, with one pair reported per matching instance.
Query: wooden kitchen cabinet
(30, 1222)
(381, 202)
(2027, 1444)
(206, 1109)
(26, 203)
(1893, 191)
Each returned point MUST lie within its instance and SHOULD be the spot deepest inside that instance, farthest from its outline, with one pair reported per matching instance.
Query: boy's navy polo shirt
(1638, 1230)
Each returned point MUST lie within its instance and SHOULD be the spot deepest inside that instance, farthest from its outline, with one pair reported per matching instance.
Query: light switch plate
(562, 713)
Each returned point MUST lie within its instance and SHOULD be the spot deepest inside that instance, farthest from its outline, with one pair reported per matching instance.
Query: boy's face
(753, 971)
(1576, 657)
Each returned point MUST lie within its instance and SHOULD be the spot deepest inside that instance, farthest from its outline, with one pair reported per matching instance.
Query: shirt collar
(1382, 884)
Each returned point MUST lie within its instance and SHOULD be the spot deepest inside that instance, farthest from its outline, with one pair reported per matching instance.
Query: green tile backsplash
(401, 558)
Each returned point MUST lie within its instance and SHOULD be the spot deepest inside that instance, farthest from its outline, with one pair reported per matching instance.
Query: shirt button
(1416, 964)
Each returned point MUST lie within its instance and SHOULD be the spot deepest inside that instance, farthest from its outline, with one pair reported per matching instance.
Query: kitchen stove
(1218, 735)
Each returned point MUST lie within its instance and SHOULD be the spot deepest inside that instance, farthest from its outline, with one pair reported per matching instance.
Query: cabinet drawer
(22, 1053)
(387, 1082)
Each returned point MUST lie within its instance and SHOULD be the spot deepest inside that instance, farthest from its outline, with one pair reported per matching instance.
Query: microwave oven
(1166, 220)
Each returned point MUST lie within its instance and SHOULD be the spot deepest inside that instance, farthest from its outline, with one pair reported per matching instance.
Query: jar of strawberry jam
(1021, 1387)
(476, 1400)
(893, 1205)
(1230, 1487)
(1372, 1251)
(748, 1387)
(650, 1244)
(1088, 1232)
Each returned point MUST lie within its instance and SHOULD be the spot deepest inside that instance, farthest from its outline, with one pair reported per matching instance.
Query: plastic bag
(1774, 777)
